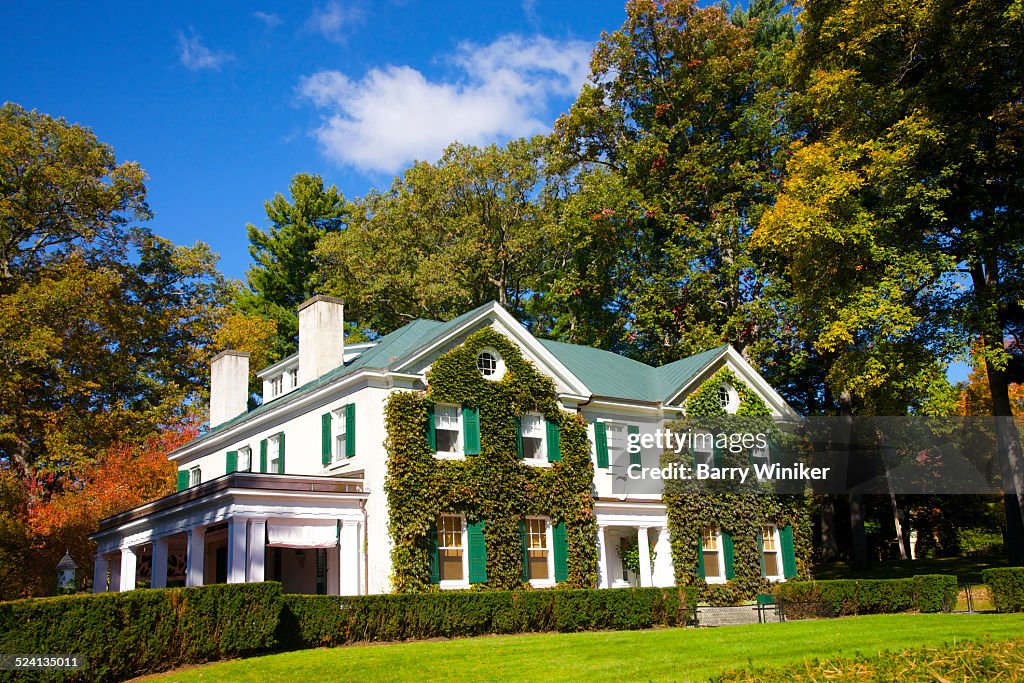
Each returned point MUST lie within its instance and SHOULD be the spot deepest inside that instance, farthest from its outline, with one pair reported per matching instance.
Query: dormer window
(276, 385)
(490, 364)
(293, 377)
(725, 396)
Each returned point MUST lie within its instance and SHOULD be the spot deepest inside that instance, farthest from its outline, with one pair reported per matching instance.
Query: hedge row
(123, 635)
(321, 620)
(1007, 584)
(927, 593)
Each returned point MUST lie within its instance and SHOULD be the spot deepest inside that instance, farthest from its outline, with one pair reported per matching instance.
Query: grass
(966, 569)
(677, 654)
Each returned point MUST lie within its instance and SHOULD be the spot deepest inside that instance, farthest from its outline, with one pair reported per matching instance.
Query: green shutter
(477, 552)
(561, 549)
(718, 457)
(231, 464)
(263, 455)
(350, 430)
(471, 430)
(554, 441)
(325, 439)
(430, 430)
(728, 555)
(760, 552)
(634, 458)
(280, 453)
(601, 443)
(525, 576)
(432, 558)
(773, 451)
(700, 557)
(788, 552)
(182, 480)
(519, 437)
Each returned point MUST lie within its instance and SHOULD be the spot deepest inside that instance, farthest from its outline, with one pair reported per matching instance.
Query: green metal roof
(603, 372)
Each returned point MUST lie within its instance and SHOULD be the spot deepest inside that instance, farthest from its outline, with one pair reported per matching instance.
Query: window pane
(539, 564)
(768, 537)
(710, 541)
(447, 441)
(711, 569)
(533, 448)
(771, 564)
(450, 562)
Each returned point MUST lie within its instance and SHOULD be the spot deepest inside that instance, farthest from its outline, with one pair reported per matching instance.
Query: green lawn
(966, 569)
(666, 654)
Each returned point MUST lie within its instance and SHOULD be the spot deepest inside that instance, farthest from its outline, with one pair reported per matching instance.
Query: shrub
(320, 620)
(1007, 585)
(929, 593)
(125, 634)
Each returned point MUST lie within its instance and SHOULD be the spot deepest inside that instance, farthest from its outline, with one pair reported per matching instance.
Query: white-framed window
(448, 430)
(244, 459)
(452, 559)
(273, 453)
(534, 438)
(276, 385)
(725, 396)
(293, 378)
(761, 456)
(540, 559)
(771, 552)
(617, 440)
(711, 547)
(340, 426)
(490, 364)
(195, 476)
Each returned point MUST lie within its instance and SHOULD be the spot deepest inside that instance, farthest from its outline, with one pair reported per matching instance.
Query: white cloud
(394, 114)
(270, 20)
(196, 56)
(334, 20)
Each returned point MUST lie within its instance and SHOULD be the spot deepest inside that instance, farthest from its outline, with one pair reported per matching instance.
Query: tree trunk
(857, 533)
(1011, 463)
(829, 544)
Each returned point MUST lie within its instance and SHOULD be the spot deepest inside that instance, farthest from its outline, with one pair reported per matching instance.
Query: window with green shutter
(231, 464)
(263, 455)
(728, 555)
(561, 550)
(471, 430)
(477, 547)
(430, 430)
(760, 551)
(326, 439)
(182, 480)
(554, 442)
(350, 430)
(435, 571)
(524, 549)
(788, 552)
(519, 437)
(700, 560)
(601, 443)
(633, 444)
(719, 456)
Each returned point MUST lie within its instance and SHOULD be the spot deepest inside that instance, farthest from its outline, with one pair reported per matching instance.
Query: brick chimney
(229, 386)
(321, 336)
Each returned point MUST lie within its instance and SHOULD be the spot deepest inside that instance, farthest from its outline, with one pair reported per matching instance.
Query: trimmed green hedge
(126, 634)
(321, 620)
(927, 593)
(1007, 584)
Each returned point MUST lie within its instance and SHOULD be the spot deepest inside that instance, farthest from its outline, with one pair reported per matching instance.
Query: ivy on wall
(741, 514)
(495, 485)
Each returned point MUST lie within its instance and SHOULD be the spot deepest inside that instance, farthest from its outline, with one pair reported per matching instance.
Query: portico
(305, 531)
(644, 525)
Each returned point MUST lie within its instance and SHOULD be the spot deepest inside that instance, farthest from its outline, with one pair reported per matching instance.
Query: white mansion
(293, 490)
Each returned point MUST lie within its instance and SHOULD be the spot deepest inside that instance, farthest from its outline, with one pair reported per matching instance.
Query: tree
(684, 108)
(285, 273)
(447, 237)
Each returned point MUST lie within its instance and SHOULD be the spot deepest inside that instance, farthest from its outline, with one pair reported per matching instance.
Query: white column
(645, 556)
(99, 574)
(664, 571)
(115, 573)
(236, 550)
(348, 558)
(158, 570)
(602, 557)
(195, 557)
(129, 562)
(256, 566)
(334, 569)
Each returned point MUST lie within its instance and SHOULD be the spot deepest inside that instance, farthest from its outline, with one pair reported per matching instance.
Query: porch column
(195, 556)
(348, 558)
(664, 572)
(158, 571)
(99, 574)
(256, 566)
(115, 573)
(334, 567)
(602, 557)
(129, 561)
(645, 556)
(236, 549)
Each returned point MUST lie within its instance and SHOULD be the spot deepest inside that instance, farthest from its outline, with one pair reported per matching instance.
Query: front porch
(644, 526)
(306, 532)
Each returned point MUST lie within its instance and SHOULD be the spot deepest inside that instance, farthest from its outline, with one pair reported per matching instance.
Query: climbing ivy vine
(741, 514)
(495, 485)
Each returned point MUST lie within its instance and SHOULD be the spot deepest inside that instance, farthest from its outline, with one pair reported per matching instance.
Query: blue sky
(223, 102)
